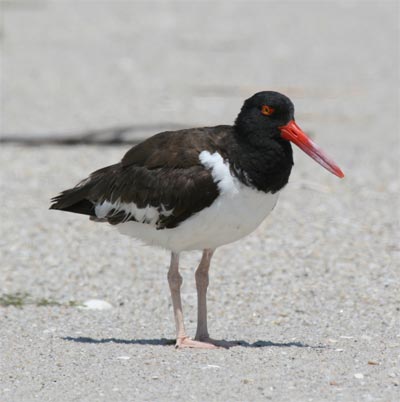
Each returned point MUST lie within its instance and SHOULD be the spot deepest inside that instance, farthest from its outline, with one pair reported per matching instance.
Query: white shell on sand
(96, 304)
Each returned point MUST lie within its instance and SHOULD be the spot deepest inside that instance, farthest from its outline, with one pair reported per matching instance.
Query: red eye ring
(267, 110)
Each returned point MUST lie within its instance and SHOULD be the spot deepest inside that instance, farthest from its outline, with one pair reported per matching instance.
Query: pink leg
(202, 281)
(202, 285)
(175, 283)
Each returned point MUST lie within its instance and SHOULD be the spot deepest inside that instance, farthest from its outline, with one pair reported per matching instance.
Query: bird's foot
(186, 342)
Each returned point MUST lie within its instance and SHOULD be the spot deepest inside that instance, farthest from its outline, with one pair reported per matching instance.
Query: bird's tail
(73, 200)
(82, 198)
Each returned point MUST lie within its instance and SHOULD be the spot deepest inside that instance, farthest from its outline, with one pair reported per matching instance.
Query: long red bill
(292, 132)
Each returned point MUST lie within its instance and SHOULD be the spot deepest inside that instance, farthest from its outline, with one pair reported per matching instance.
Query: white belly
(228, 219)
(236, 212)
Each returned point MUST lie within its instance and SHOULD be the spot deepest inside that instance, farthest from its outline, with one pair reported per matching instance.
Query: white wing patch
(148, 214)
(220, 172)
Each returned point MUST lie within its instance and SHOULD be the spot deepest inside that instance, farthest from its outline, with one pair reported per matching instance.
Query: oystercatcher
(197, 189)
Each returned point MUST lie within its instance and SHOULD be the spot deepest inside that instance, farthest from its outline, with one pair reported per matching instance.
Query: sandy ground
(312, 295)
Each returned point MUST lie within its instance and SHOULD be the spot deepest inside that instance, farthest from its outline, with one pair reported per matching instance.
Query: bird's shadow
(171, 342)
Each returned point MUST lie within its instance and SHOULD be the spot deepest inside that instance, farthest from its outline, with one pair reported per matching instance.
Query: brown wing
(163, 172)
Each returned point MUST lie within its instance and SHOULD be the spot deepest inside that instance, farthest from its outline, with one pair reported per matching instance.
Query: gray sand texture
(312, 296)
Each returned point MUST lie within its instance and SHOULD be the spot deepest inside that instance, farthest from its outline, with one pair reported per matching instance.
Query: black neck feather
(261, 162)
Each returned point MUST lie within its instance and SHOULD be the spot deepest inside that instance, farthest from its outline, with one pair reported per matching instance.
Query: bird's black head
(266, 121)
(263, 114)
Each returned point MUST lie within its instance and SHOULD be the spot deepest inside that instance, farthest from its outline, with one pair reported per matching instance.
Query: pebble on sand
(96, 304)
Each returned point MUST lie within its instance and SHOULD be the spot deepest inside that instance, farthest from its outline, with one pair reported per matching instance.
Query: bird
(198, 189)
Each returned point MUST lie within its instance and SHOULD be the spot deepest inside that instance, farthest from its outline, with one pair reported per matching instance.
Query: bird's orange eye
(267, 110)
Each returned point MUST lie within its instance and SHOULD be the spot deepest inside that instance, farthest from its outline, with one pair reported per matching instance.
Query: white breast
(236, 212)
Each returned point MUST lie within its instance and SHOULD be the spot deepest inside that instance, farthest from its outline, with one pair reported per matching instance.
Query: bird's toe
(190, 343)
